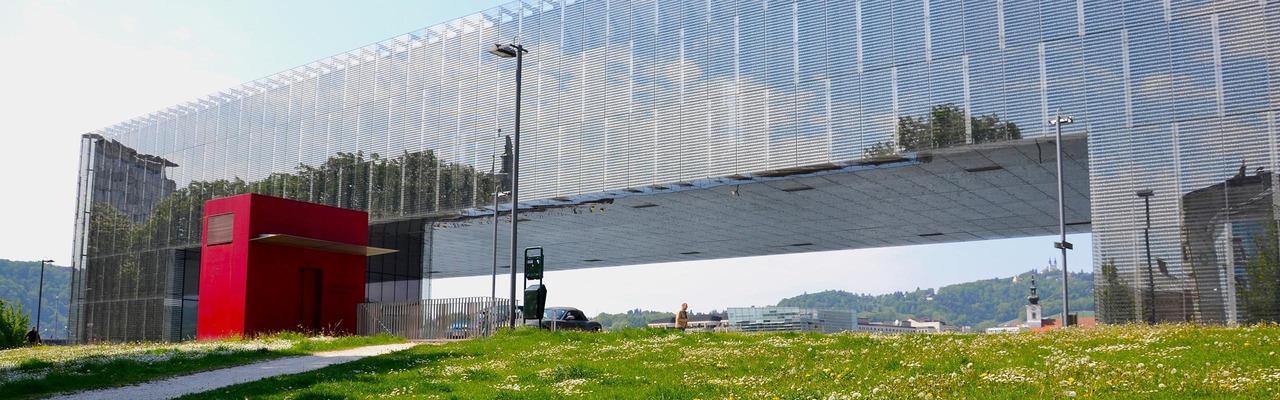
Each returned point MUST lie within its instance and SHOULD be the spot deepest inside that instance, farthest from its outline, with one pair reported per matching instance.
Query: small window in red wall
(219, 229)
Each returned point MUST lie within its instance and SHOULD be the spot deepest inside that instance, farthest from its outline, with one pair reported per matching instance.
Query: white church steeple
(1033, 307)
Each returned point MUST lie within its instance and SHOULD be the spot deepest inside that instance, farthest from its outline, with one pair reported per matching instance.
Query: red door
(309, 299)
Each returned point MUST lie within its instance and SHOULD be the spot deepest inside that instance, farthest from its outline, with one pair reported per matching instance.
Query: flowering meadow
(1168, 361)
(42, 370)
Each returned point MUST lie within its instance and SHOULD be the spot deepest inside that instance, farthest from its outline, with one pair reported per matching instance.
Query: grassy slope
(55, 369)
(1108, 362)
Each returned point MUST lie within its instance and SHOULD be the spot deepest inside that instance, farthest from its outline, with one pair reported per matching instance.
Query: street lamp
(1057, 122)
(497, 191)
(1146, 237)
(40, 294)
(516, 51)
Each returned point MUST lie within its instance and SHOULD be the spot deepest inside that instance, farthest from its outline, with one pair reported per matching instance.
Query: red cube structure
(270, 264)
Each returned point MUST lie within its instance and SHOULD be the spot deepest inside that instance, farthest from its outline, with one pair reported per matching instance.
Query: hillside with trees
(980, 304)
(20, 282)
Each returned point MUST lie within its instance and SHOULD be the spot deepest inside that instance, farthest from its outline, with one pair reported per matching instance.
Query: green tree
(944, 126)
(1261, 294)
(13, 325)
(1115, 298)
(988, 128)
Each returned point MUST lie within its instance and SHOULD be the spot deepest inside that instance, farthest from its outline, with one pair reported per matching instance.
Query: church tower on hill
(1033, 307)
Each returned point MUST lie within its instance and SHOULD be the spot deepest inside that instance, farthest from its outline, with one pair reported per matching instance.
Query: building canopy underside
(981, 192)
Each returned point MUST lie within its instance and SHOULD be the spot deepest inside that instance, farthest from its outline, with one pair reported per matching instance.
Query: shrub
(13, 325)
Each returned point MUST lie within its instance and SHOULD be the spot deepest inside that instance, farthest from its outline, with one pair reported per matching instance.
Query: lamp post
(493, 284)
(493, 287)
(516, 51)
(1057, 122)
(1146, 237)
(40, 294)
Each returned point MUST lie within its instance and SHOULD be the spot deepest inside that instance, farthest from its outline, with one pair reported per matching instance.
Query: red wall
(253, 287)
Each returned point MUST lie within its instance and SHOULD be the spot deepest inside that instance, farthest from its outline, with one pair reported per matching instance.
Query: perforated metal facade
(1175, 95)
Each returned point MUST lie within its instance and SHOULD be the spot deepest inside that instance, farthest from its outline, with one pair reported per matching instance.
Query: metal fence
(456, 318)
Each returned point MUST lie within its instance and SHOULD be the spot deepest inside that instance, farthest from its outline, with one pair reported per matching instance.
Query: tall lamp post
(516, 51)
(1057, 122)
(1146, 237)
(40, 294)
(493, 287)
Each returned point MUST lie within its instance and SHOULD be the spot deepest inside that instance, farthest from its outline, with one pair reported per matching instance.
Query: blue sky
(72, 67)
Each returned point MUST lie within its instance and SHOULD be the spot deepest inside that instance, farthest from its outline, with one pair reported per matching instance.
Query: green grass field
(1174, 361)
(40, 371)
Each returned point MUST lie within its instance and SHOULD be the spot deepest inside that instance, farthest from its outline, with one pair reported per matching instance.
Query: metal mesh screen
(631, 93)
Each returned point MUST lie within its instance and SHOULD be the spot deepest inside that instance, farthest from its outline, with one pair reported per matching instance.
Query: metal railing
(456, 318)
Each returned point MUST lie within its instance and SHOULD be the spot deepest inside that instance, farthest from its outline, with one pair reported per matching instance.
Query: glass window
(908, 31)
(1244, 60)
(1149, 74)
(1103, 15)
(877, 34)
(846, 118)
(1193, 77)
(1104, 83)
(981, 28)
(1059, 19)
(1021, 22)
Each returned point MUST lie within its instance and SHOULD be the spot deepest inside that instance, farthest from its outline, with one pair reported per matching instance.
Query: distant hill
(981, 304)
(20, 281)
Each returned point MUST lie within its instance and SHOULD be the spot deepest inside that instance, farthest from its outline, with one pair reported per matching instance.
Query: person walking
(682, 317)
(33, 337)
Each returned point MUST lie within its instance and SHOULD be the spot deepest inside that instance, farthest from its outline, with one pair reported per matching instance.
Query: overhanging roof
(322, 245)
(967, 193)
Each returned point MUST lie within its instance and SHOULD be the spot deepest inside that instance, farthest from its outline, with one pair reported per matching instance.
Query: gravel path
(209, 380)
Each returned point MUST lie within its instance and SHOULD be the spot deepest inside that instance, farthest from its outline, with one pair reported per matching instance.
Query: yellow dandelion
(1071, 379)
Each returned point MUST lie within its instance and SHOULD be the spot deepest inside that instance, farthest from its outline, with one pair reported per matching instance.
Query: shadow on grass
(334, 381)
(101, 372)
(118, 373)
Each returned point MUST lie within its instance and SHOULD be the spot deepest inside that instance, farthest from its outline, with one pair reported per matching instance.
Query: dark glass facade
(1175, 97)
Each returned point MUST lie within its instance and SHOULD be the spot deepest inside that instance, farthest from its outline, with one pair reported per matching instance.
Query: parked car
(557, 318)
(458, 330)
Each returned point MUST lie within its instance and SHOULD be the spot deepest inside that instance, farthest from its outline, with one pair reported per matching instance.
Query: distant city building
(909, 326)
(938, 326)
(790, 319)
(697, 323)
(1005, 329)
(865, 325)
(1052, 323)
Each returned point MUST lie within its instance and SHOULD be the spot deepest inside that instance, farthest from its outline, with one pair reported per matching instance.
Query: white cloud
(129, 23)
(62, 79)
(182, 33)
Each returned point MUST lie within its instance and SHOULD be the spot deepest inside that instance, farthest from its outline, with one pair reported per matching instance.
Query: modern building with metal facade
(676, 130)
(791, 319)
